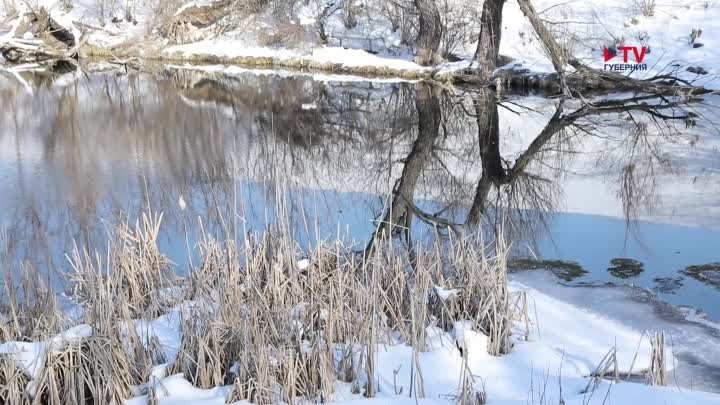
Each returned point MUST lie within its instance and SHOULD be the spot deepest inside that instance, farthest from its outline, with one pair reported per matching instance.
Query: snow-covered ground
(585, 27)
(550, 363)
(694, 340)
(590, 26)
(327, 58)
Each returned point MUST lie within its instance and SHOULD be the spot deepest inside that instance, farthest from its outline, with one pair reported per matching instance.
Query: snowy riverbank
(548, 365)
(373, 48)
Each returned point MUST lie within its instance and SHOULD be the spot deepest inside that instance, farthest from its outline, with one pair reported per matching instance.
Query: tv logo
(637, 52)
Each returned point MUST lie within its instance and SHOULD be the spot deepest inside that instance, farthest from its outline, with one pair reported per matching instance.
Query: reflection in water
(564, 270)
(358, 159)
(705, 273)
(625, 268)
(667, 285)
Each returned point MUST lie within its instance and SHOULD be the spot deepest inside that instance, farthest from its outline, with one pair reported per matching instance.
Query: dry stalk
(657, 373)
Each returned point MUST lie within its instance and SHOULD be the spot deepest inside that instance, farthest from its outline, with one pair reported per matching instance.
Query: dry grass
(258, 321)
(645, 7)
(298, 330)
(92, 371)
(135, 274)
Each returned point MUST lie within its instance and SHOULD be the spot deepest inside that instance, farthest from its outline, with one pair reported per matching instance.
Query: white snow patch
(445, 293)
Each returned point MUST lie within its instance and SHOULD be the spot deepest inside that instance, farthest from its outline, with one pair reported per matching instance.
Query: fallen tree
(49, 40)
(581, 80)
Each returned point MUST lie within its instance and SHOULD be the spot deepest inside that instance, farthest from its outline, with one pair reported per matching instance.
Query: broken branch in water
(583, 80)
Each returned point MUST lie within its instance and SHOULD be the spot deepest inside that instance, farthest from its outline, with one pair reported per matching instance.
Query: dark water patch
(564, 270)
(705, 273)
(667, 285)
(663, 249)
(625, 268)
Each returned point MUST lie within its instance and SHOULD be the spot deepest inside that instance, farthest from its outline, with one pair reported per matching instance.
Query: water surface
(625, 187)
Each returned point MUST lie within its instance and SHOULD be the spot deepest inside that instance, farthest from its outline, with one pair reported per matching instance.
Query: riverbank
(375, 49)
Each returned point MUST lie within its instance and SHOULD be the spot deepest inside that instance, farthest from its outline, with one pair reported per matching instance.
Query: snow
(693, 339)
(595, 25)
(71, 336)
(592, 27)
(31, 355)
(563, 346)
(193, 4)
(176, 390)
(336, 56)
(446, 293)
(233, 70)
(566, 342)
(27, 355)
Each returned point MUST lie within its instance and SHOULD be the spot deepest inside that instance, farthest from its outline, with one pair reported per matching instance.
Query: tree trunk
(429, 33)
(488, 47)
(486, 115)
(584, 79)
(329, 10)
(493, 171)
(553, 50)
(427, 102)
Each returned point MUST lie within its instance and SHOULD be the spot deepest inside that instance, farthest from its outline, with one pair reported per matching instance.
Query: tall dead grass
(255, 317)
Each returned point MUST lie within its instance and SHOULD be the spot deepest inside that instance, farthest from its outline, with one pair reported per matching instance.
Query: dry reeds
(657, 374)
(12, 383)
(29, 310)
(91, 371)
(135, 274)
(256, 318)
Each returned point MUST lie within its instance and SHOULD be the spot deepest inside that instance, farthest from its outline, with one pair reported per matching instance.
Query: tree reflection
(418, 156)
(515, 195)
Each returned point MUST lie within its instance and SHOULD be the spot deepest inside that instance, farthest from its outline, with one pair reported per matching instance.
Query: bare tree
(488, 47)
(329, 9)
(429, 33)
